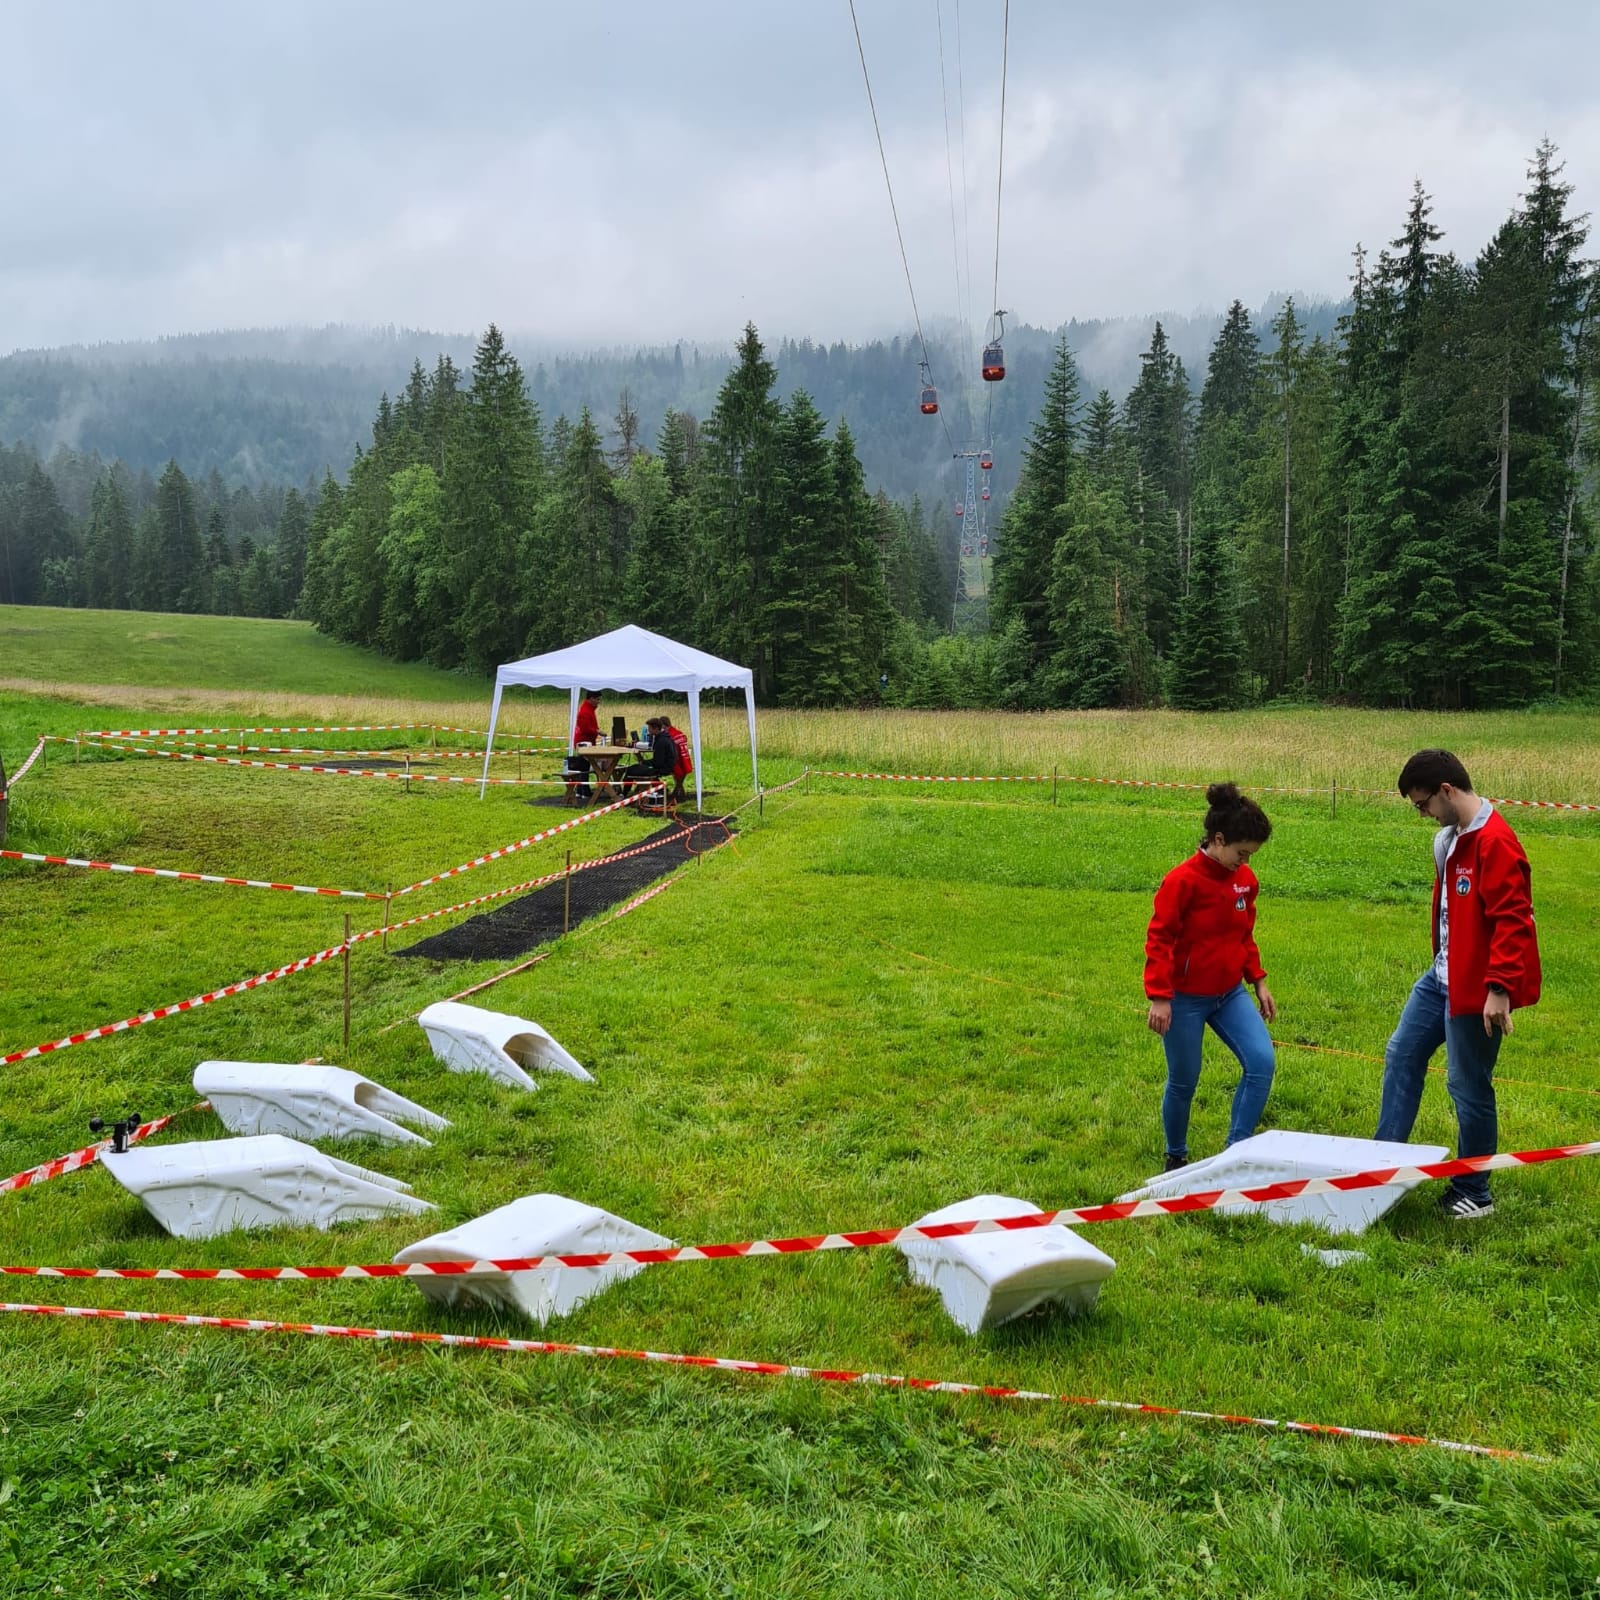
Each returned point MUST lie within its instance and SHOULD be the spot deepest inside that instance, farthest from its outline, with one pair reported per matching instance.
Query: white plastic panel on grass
(985, 1279)
(468, 1039)
(308, 1102)
(536, 1225)
(1281, 1156)
(202, 1189)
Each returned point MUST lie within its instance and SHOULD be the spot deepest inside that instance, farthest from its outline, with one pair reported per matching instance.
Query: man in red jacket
(1485, 966)
(586, 730)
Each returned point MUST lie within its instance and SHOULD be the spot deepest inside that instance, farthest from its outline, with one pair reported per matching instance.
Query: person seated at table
(586, 730)
(684, 765)
(663, 757)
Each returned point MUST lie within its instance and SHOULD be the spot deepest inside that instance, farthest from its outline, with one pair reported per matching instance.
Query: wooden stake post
(347, 980)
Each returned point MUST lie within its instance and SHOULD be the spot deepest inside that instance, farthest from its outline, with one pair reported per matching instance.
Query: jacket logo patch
(1238, 905)
(1463, 885)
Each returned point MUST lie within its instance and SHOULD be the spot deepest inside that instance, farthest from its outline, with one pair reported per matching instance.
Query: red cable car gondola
(930, 395)
(985, 494)
(986, 461)
(961, 510)
(994, 356)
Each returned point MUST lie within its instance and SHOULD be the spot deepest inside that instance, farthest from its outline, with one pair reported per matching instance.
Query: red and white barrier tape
(325, 771)
(865, 1239)
(1544, 805)
(419, 752)
(187, 877)
(90, 1153)
(522, 844)
(1153, 783)
(50, 1047)
(762, 1369)
(910, 777)
(184, 733)
(106, 1029)
(22, 771)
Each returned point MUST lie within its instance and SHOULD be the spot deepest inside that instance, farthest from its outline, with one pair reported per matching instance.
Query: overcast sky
(640, 171)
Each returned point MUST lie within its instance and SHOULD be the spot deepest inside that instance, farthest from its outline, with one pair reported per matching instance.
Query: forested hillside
(1393, 506)
(283, 406)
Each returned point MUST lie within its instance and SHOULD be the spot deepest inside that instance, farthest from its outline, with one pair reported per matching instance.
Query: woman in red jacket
(1199, 953)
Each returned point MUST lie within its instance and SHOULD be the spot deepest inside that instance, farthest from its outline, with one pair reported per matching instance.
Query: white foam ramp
(308, 1102)
(205, 1188)
(536, 1225)
(468, 1039)
(1281, 1156)
(985, 1279)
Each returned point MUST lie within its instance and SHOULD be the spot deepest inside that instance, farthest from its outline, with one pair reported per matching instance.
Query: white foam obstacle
(536, 1225)
(206, 1188)
(1281, 1156)
(468, 1039)
(308, 1102)
(985, 1279)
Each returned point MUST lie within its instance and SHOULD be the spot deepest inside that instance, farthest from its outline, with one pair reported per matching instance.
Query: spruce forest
(1397, 512)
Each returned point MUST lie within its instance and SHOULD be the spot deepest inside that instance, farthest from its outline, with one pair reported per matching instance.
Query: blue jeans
(1470, 1053)
(1236, 1022)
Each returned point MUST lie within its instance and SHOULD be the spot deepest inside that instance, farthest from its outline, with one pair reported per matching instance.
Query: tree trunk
(1285, 677)
(1580, 363)
(1505, 467)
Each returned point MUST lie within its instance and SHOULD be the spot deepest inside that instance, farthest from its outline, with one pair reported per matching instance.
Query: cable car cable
(894, 210)
(949, 172)
(999, 187)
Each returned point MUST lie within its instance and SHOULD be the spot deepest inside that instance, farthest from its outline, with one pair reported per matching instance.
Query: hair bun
(1222, 794)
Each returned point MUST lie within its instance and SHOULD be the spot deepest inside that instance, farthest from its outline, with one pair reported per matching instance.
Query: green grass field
(875, 1002)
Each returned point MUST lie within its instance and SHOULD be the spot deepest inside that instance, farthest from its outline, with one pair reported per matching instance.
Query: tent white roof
(630, 658)
(627, 658)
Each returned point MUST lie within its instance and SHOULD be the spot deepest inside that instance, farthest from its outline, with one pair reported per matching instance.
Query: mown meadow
(877, 1000)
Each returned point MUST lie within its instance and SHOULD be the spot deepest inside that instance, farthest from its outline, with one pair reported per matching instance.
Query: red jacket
(586, 730)
(1202, 936)
(685, 764)
(1492, 936)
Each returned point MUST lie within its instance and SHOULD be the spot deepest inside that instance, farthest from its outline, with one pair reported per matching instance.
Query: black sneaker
(1175, 1162)
(1464, 1207)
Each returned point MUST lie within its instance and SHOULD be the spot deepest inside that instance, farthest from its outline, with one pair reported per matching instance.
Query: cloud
(642, 173)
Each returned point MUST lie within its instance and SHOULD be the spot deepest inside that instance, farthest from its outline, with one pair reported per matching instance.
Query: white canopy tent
(629, 658)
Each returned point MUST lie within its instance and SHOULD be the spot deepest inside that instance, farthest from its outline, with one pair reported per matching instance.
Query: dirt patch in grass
(542, 916)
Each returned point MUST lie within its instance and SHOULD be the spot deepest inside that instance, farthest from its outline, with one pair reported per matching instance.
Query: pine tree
(1156, 415)
(180, 581)
(1089, 665)
(864, 598)
(736, 516)
(294, 524)
(1207, 664)
(804, 624)
(493, 484)
(1035, 518)
(109, 557)
(414, 577)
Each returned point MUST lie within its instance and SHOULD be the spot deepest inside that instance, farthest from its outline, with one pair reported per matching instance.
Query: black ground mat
(537, 918)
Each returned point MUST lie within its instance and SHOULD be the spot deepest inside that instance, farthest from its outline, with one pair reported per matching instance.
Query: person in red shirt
(684, 765)
(1485, 965)
(586, 730)
(1200, 951)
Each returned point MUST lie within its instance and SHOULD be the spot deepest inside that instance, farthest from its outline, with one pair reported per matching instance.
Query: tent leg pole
(566, 897)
